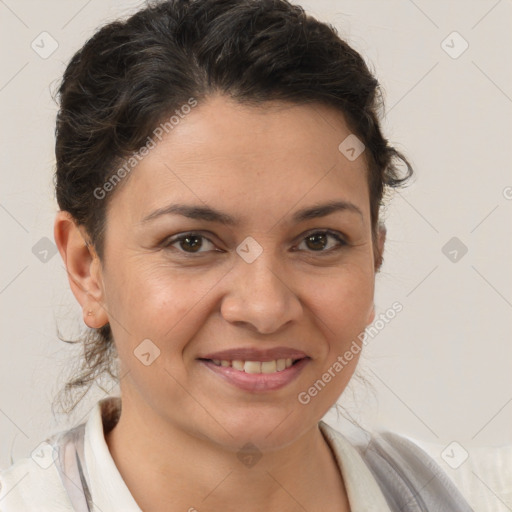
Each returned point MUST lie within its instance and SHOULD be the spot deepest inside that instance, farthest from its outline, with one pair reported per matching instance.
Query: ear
(379, 249)
(83, 267)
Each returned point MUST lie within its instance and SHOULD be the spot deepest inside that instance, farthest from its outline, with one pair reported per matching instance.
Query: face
(267, 275)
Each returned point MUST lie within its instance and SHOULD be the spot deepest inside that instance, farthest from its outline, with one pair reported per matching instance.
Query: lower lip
(258, 381)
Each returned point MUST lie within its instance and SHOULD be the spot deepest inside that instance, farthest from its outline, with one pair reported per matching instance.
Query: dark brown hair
(133, 74)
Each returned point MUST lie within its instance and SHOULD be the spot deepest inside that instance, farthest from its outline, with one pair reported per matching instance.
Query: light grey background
(441, 370)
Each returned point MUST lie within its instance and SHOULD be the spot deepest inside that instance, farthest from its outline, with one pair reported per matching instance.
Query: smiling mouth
(272, 366)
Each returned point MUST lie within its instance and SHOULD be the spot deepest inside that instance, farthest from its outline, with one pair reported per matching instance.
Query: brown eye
(319, 241)
(189, 243)
(192, 242)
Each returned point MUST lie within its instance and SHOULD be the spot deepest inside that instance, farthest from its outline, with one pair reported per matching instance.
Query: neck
(168, 469)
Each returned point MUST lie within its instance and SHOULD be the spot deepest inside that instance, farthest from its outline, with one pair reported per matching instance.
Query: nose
(261, 297)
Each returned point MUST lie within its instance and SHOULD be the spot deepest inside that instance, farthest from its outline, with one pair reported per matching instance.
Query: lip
(249, 354)
(257, 382)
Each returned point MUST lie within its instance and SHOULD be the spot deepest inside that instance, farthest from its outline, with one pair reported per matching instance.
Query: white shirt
(34, 484)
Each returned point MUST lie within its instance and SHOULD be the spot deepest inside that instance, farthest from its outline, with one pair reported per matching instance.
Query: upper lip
(252, 354)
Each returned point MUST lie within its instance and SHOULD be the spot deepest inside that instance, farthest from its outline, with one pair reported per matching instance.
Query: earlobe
(83, 269)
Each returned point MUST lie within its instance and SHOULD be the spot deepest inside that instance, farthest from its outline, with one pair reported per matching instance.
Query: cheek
(342, 307)
(342, 301)
(154, 314)
(156, 303)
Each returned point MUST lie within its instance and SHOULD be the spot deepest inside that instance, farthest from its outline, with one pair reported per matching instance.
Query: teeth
(252, 367)
(238, 365)
(268, 366)
(277, 365)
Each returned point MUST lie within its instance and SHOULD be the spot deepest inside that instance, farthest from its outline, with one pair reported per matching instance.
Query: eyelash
(168, 242)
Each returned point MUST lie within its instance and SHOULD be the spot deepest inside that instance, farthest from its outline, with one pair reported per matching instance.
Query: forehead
(258, 160)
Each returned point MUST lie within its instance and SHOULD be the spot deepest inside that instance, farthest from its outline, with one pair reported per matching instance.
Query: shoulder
(33, 483)
(406, 474)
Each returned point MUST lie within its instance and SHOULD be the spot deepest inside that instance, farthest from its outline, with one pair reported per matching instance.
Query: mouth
(255, 375)
(248, 366)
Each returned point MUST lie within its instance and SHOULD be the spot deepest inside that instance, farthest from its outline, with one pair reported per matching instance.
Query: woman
(220, 169)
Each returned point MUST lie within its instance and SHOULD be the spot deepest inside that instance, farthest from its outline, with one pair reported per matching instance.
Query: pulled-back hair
(133, 74)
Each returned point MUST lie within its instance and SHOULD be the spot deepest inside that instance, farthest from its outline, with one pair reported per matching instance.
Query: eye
(318, 241)
(189, 243)
(194, 243)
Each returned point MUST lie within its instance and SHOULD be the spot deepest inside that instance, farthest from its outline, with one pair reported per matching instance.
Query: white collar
(363, 491)
(108, 489)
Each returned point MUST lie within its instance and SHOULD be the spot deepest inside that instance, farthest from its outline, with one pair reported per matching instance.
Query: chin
(266, 430)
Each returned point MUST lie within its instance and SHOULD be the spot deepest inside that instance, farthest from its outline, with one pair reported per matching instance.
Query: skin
(181, 425)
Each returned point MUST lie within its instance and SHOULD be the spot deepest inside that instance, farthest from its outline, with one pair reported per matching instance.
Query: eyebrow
(213, 215)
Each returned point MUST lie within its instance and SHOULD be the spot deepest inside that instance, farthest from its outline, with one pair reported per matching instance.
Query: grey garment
(410, 480)
(70, 462)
